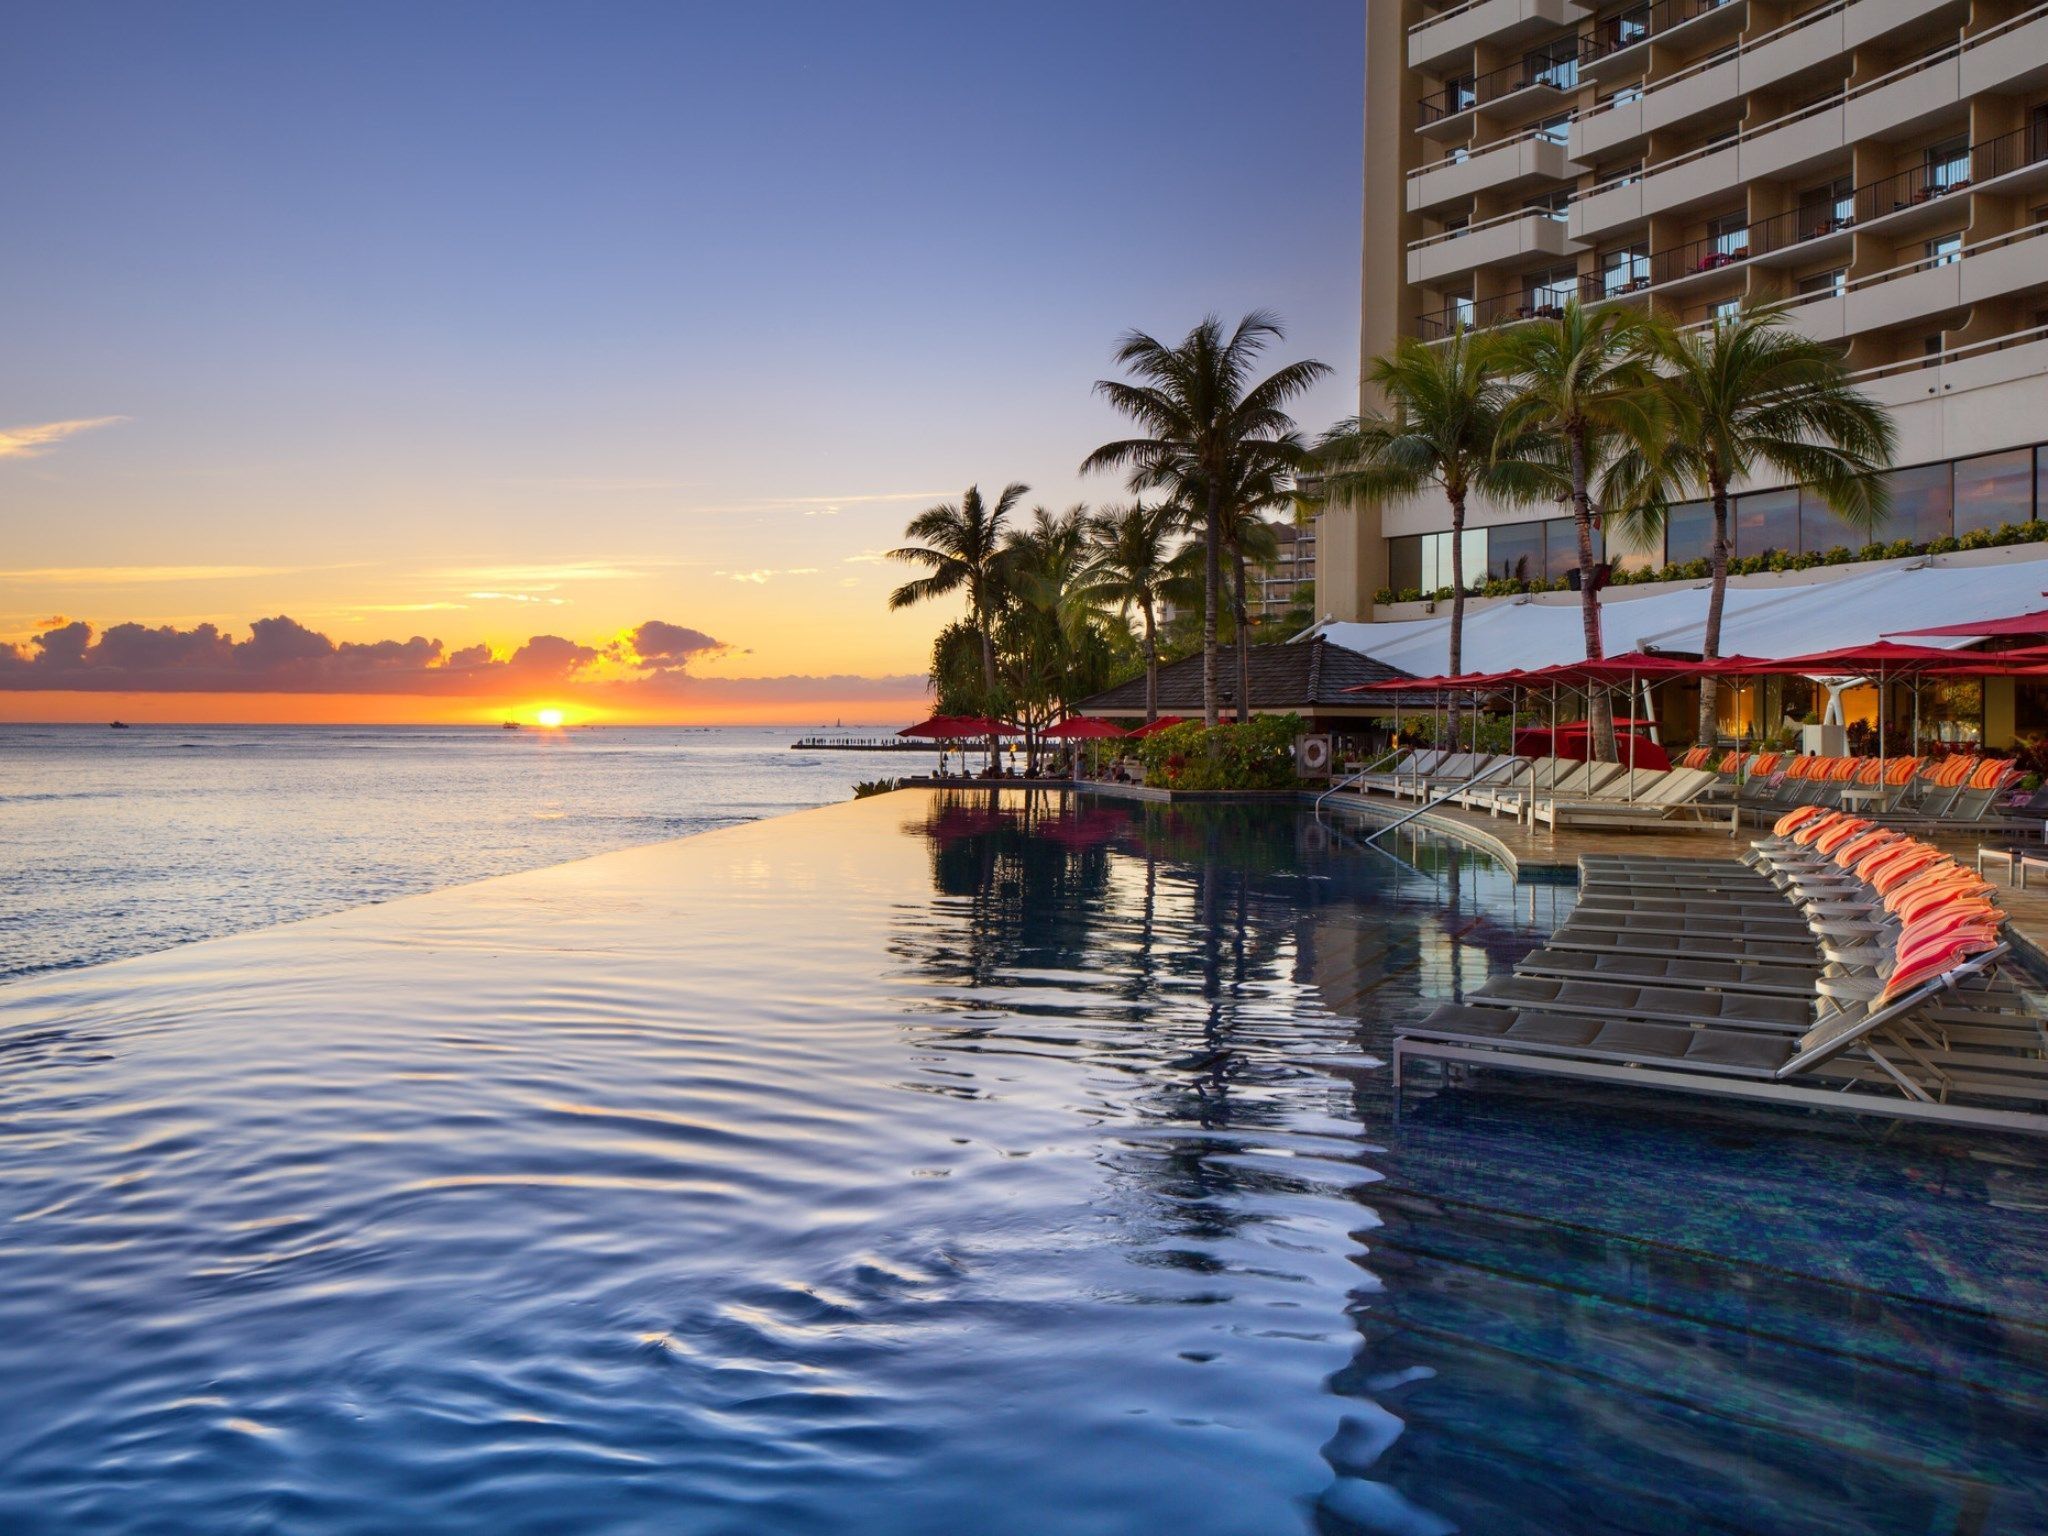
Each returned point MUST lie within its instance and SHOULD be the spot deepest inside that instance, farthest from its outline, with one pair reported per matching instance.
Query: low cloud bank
(282, 655)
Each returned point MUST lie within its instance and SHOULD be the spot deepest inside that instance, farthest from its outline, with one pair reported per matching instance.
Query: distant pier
(866, 744)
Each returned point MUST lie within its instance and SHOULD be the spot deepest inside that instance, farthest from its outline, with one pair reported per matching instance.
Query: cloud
(865, 557)
(518, 597)
(762, 577)
(32, 441)
(280, 655)
(545, 578)
(667, 646)
(138, 575)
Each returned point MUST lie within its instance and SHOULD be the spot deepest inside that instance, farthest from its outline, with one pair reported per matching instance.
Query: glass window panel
(1767, 520)
(1820, 530)
(1921, 508)
(1995, 489)
(1514, 552)
(1561, 547)
(1404, 563)
(1688, 532)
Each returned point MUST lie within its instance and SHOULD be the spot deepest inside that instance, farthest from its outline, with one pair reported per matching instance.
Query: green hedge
(1750, 565)
(1256, 755)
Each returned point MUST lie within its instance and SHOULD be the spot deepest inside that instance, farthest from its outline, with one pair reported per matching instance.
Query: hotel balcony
(1987, 269)
(2016, 358)
(1799, 46)
(1620, 44)
(1892, 106)
(1525, 91)
(1537, 155)
(1920, 197)
(1452, 32)
(1513, 239)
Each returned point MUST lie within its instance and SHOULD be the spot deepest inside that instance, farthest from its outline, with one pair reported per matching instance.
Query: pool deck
(1539, 853)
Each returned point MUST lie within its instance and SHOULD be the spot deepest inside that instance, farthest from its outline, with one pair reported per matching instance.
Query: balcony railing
(1469, 91)
(1912, 187)
(1639, 23)
(1952, 355)
(1548, 133)
(1749, 47)
(1817, 108)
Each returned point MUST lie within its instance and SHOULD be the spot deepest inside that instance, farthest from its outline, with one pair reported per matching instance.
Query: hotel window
(1827, 208)
(1557, 204)
(1623, 95)
(1554, 64)
(1457, 94)
(1835, 282)
(1945, 250)
(1514, 552)
(1548, 292)
(1767, 520)
(1404, 563)
(1629, 27)
(1923, 507)
(1620, 174)
(1729, 235)
(1688, 532)
(1820, 530)
(2041, 482)
(1727, 309)
(1994, 489)
(1947, 165)
(1561, 547)
(1558, 130)
(1458, 155)
(1626, 269)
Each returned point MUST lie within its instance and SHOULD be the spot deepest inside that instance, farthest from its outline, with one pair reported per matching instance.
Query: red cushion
(1791, 819)
(1933, 960)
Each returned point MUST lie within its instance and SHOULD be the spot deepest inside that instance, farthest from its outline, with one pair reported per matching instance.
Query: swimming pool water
(944, 1163)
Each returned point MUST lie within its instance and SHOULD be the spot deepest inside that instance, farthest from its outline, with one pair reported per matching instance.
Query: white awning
(1762, 617)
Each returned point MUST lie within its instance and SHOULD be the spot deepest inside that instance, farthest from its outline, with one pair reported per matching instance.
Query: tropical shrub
(1256, 755)
(862, 789)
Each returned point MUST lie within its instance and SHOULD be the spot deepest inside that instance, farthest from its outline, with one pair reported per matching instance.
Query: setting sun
(551, 718)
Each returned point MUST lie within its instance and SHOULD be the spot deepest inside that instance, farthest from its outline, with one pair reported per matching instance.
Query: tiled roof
(1302, 676)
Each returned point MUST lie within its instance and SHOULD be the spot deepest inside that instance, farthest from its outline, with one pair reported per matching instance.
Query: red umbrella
(2035, 623)
(1163, 723)
(957, 728)
(1081, 728)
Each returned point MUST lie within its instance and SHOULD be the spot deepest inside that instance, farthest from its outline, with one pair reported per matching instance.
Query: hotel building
(1883, 164)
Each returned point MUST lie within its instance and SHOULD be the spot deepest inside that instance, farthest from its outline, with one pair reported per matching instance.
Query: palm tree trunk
(1241, 612)
(1151, 665)
(1717, 596)
(988, 681)
(1599, 710)
(1457, 500)
(1212, 581)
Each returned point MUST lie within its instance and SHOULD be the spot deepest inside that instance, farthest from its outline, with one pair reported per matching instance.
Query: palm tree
(1588, 380)
(1131, 549)
(1254, 488)
(1757, 397)
(1440, 425)
(962, 547)
(1200, 410)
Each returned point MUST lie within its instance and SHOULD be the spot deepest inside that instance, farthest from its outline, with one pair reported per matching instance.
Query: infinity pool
(944, 1164)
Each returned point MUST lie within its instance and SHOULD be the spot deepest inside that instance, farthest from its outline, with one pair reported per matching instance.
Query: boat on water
(117, 725)
(510, 725)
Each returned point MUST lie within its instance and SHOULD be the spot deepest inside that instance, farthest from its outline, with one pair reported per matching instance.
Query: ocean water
(939, 1163)
(117, 843)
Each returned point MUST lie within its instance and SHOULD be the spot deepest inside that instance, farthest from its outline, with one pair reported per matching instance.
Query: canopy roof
(1765, 616)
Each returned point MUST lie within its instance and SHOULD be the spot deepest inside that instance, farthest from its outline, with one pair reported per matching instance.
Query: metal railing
(1448, 795)
(1465, 92)
(1749, 46)
(1640, 23)
(1557, 134)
